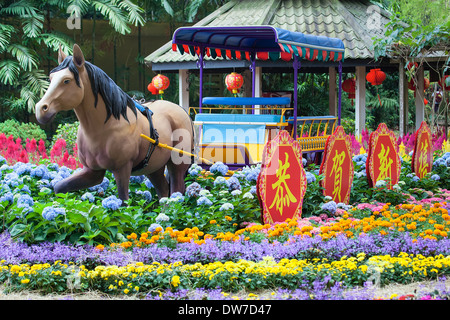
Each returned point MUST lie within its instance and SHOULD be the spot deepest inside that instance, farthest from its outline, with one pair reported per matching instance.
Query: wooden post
(258, 86)
(360, 100)
(332, 97)
(183, 89)
(403, 100)
(420, 105)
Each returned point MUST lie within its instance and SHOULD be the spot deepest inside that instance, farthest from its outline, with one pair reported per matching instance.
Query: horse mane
(116, 100)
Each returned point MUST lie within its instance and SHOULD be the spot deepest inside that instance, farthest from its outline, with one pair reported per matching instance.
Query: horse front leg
(122, 177)
(82, 179)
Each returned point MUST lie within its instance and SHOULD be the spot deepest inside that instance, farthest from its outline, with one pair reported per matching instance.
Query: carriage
(234, 130)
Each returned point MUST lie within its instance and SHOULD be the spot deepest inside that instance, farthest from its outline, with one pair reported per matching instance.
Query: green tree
(27, 40)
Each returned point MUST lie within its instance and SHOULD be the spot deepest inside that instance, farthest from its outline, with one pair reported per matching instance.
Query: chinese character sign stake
(281, 183)
(422, 159)
(383, 162)
(337, 166)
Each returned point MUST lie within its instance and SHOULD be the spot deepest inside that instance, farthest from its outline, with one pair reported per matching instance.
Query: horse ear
(61, 55)
(78, 57)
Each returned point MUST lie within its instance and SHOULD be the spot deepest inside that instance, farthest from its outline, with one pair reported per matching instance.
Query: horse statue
(111, 124)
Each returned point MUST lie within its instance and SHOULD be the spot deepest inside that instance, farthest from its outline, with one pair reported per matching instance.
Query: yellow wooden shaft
(165, 146)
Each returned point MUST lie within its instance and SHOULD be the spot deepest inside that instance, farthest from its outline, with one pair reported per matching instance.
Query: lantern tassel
(379, 99)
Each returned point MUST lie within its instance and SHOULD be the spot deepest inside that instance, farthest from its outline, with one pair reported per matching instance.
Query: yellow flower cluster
(123, 279)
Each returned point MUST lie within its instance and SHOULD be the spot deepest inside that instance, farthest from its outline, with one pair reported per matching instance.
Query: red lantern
(234, 82)
(152, 88)
(349, 86)
(376, 77)
(161, 83)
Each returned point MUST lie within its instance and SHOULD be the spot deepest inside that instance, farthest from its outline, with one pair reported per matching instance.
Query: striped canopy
(260, 42)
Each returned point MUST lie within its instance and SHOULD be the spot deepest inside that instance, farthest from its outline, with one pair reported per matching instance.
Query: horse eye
(66, 81)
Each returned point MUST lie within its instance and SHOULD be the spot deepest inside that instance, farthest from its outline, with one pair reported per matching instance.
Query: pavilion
(355, 22)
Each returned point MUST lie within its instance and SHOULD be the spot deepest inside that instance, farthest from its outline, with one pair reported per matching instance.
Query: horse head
(65, 91)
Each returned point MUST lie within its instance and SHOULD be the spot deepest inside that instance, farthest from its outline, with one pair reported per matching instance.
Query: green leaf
(114, 14)
(9, 72)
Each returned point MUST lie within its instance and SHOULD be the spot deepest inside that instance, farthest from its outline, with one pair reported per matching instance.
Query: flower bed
(189, 244)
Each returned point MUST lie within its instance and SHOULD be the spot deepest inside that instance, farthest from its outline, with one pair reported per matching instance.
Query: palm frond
(36, 81)
(78, 7)
(55, 39)
(167, 7)
(32, 25)
(134, 12)
(114, 14)
(9, 72)
(5, 35)
(26, 57)
(192, 9)
(20, 8)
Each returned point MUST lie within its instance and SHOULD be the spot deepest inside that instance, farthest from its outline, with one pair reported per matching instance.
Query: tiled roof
(349, 20)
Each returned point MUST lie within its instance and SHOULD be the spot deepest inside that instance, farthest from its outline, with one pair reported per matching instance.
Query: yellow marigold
(132, 236)
(100, 247)
(24, 281)
(175, 281)
(228, 218)
(439, 226)
(213, 222)
(443, 234)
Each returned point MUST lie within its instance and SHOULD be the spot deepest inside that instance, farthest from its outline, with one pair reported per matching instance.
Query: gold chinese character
(338, 160)
(283, 196)
(423, 159)
(385, 164)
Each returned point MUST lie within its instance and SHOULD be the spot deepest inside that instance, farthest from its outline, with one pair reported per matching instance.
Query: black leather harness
(153, 134)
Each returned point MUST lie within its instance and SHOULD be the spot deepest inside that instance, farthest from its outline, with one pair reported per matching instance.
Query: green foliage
(67, 131)
(22, 130)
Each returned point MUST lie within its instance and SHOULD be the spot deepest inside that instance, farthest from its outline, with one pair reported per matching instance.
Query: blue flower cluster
(195, 170)
(233, 184)
(204, 201)
(88, 196)
(50, 213)
(310, 178)
(251, 173)
(193, 190)
(443, 161)
(112, 202)
(145, 194)
(330, 206)
(103, 186)
(219, 168)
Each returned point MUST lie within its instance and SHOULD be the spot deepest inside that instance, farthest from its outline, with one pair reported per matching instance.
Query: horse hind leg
(177, 175)
(160, 183)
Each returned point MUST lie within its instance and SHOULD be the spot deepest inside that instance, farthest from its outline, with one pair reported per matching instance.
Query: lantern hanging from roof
(349, 86)
(152, 88)
(376, 78)
(234, 82)
(161, 83)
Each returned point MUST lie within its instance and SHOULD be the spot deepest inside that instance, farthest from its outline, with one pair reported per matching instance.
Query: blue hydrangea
(253, 190)
(137, 179)
(251, 174)
(435, 177)
(220, 181)
(176, 197)
(112, 202)
(310, 178)
(233, 184)
(88, 196)
(219, 168)
(148, 183)
(193, 190)
(7, 197)
(204, 201)
(22, 168)
(330, 206)
(226, 206)
(194, 170)
(12, 179)
(25, 200)
(50, 213)
(40, 171)
(304, 162)
(24, 189)
(145, 194)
